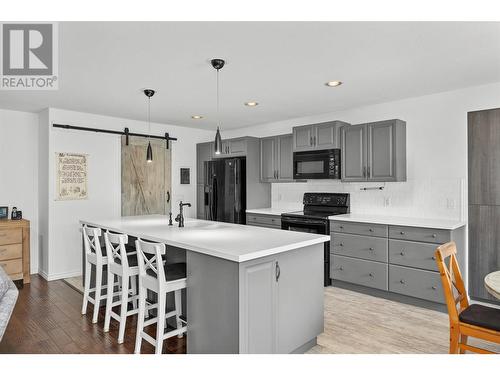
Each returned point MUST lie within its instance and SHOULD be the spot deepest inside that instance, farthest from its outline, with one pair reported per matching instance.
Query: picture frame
(185, 176)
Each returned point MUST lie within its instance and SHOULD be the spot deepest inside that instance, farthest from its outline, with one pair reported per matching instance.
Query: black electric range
(314, 218)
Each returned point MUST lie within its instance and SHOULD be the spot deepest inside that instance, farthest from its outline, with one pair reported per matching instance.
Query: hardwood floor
(47, 319)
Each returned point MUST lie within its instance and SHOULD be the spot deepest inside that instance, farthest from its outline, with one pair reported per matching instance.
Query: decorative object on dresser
(4, 212)
(16, 214)
(15, 248)
(394, 258)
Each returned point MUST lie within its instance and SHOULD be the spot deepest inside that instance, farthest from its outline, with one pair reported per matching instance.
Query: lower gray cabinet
(359, 271)
(416, 283)
(401, 256)
(270, 288)
(260, 220)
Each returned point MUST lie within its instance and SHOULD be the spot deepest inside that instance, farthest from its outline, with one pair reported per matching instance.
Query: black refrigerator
(225, 190)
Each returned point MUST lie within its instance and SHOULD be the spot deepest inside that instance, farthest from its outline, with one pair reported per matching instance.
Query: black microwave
(320, 164)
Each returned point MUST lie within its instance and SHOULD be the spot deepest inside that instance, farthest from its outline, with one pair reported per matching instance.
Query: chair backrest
(451, 278)
(115, 248)
(91, 241)
(150, 258)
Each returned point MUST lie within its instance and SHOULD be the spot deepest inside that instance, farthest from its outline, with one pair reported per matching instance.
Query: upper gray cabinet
(320, 136)
(204, 152)
(374, 152)
(233, 148)
(276, 158)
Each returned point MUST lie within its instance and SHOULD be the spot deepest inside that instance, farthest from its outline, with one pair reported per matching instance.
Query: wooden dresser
(15, 248)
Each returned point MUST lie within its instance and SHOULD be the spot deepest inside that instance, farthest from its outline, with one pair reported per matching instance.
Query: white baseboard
(58, 276)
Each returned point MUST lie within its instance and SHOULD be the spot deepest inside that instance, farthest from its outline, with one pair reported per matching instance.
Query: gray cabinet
(233, 148)
(276, 158)
(374, 151)
(395, 258)
(272, 287)
(320, 136)
(263, 220)
(204, 152)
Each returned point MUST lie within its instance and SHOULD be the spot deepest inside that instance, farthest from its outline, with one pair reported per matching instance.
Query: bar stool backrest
(91, 241)
(115, 248)
(150, 258)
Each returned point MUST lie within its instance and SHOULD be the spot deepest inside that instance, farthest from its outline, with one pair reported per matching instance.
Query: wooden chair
(466, 320)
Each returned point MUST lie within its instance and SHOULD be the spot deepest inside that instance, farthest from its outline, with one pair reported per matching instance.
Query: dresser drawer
(413, 254)
(416, 283)
(11, 251)
(359, 271)
(14, 266)
(365, 247)
(438, 236)
(10, 236)
(377, 230)
(264, 220)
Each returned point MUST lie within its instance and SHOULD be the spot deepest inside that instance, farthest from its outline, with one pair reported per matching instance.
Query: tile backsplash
(433, 198)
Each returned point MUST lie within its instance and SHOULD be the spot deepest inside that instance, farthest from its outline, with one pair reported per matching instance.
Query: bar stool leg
(88, 270)
(134, 280)
(178, 310)
(109, 300)
(160, 326)
(123, 308)
(140, 320)
(98, 285)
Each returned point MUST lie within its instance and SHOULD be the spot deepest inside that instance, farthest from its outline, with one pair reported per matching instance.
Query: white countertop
(238, 243)
(404, 221)
(271, 211)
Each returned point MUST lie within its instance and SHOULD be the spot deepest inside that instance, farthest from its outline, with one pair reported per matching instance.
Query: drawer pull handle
(402, 281)
(341, 227)
(434, 288)
(341, 268)
(434, 235)
(371, 249)
(341, 244)
(371, 274)
(402, 253)
(371, 229)
(402, 233)
(433, 257)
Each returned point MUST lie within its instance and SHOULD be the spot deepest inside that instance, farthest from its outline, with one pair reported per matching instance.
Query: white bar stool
(123, 265)
(93, 256)
(162, 278)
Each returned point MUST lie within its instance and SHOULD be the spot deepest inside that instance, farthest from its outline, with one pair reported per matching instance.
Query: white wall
(104, 189)
(436, 154)
(19, 170)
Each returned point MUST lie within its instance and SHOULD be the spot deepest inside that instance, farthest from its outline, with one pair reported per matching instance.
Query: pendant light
(149, 153)
(218, 64)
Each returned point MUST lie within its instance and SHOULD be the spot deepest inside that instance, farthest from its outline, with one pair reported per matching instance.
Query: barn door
(146, 187)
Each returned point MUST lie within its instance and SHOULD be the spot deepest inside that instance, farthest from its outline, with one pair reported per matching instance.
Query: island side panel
(212, 305)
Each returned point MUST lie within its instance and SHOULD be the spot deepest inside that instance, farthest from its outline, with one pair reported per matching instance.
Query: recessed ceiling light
(333, 83)
(251, 104)
(196, 117)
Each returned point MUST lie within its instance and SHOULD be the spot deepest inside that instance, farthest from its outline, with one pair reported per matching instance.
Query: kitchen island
(249, 289)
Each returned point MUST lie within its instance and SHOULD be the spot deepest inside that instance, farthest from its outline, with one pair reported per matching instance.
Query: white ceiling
(282, 65)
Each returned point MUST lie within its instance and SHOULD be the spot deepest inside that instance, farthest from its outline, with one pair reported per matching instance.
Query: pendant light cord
(149, 117)
(218, 100)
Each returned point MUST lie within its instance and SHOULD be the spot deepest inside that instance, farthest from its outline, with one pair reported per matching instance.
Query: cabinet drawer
(359, 271)
(376, 230)
(12, 266)
(413, 254)
(265, 220)
(438, 236)
(10, 236)
(416, 283)
(370, 248)
(11, 251)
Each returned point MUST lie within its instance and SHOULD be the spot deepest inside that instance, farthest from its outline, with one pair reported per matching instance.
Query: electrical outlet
(387, 201)
(450, 203)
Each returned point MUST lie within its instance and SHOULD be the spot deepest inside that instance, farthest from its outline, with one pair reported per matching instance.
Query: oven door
(311, 226)
(320, 164)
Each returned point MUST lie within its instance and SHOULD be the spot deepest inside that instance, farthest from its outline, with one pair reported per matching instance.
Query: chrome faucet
(180, 217)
